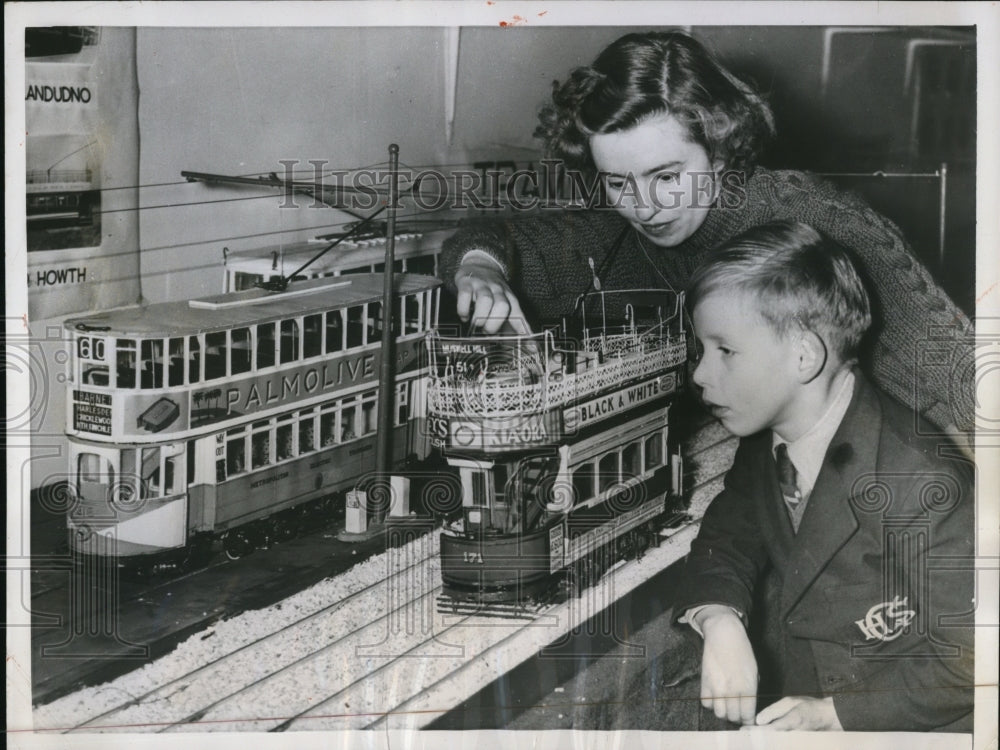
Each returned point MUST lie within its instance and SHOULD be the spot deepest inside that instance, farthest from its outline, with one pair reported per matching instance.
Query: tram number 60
(473, 557)
(90, 348)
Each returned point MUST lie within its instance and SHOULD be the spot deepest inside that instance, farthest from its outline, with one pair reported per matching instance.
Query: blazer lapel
(829, 519)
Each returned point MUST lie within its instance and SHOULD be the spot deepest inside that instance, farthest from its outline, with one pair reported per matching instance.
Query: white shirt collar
(808, 452)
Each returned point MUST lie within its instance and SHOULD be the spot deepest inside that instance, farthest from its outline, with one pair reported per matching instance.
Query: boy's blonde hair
(797, 277)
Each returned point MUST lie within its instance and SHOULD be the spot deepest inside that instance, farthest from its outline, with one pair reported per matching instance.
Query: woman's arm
(538, 263)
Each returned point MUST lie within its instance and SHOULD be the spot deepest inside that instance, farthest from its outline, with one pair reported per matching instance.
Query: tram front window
(125, 363)
(151, 472)
(175, 366)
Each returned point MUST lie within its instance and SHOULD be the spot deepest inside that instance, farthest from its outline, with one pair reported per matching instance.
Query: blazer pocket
(860, 616)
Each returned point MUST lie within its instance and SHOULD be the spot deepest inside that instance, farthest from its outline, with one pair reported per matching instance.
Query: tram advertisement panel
(498, 435)
(144, 415)
(610, 404)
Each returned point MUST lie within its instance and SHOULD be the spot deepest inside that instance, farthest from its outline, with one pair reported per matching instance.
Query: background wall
(239, 101)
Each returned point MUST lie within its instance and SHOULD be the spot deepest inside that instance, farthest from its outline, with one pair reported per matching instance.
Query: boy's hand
(728, 666)
(484, 293)
(795, 712)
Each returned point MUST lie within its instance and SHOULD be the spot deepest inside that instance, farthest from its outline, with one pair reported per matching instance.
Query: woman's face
(658, 179)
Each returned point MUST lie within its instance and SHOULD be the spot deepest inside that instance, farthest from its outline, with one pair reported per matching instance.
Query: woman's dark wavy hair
(641, 75)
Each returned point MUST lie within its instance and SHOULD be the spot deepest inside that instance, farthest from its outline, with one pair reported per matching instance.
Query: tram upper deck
(135, 372)
(483, 389)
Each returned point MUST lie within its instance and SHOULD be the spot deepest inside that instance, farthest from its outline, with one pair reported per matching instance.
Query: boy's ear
(812, 356)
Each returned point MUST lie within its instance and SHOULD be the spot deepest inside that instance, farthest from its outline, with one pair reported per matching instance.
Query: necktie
(788, 477)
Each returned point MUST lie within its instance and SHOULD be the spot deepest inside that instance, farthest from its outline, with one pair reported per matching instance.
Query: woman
(674, 139)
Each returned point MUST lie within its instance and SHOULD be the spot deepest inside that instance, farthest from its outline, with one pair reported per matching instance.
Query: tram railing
(606, 361)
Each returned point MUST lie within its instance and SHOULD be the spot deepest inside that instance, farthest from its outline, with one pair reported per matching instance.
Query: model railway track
(116, 709)
(377, 640)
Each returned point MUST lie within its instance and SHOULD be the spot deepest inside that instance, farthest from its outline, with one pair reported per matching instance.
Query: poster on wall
(63, 198)
(80, 162)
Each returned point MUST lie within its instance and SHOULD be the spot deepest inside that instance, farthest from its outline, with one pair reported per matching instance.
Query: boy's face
(749, 375)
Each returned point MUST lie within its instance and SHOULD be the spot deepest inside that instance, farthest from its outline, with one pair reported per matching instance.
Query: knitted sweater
(920, 348)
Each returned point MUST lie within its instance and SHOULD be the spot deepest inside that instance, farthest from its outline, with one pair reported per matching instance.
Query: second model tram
(223, 417)
(563, 444)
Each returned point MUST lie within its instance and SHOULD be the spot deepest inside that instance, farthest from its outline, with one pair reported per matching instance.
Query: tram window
(500, 482)
(168, 476)
(215, 355)
(265, 345)
(328, 427)
(632, 461)
(306, 436)
(194, 359)
(583, 483)
(375, 322)
(479, 488)
(236, 455)
(175, 366)
(607, 472)
(151, 471)
(289, 341)
(347, 424)
(402, 403)
(411, 314)
(369, 414)
(654, 451)
(128, 474)
(246, 280)
(89, 467)
(285, 444)
(96, 375)
(355, 326)
(334, 331)
(152, 364)
(240, 351)
(261, 447)
(312, 330)
(126, 363)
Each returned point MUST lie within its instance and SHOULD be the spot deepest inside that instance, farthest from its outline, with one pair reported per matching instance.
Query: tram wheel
(237, 544)
(284, 529)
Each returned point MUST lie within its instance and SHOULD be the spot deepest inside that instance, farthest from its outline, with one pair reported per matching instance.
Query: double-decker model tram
(224, 417)
(563, 446)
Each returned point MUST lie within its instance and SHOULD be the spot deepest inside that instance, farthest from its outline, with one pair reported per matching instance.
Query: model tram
(563, 446)
(415, 252)
(224, 417)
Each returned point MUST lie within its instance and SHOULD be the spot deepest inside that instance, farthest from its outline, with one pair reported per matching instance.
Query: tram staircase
(528, 484)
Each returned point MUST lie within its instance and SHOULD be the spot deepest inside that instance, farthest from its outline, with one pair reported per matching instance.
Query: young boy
(833, 514)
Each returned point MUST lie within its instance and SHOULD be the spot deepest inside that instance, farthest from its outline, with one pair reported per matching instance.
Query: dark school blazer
(874, 596)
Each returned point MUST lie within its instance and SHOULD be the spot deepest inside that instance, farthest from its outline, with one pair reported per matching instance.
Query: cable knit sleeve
(545, 256)
(922, 348)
